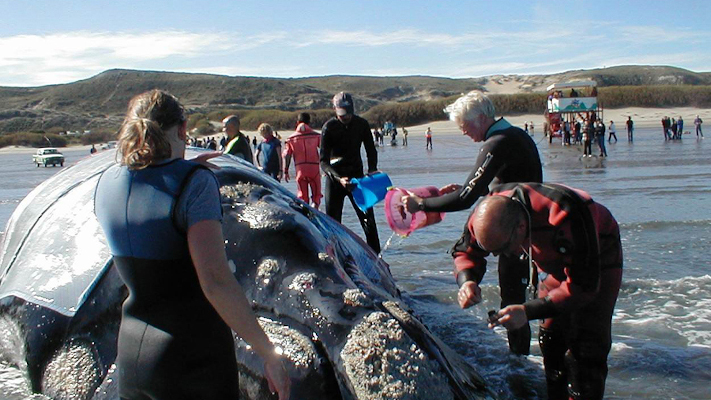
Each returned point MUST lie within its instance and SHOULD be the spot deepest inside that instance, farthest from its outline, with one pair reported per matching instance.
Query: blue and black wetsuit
(172, 343)
(507, 155)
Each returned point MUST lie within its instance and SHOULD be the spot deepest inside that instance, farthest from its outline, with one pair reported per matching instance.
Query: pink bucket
(400, 220)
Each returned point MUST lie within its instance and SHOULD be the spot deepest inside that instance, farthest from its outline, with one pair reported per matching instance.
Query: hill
(100, 101)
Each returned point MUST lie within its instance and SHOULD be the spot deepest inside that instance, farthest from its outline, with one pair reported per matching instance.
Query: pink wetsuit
(303, 146)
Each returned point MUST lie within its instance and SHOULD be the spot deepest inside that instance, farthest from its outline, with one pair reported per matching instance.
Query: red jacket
(572, 240)
(303, 145)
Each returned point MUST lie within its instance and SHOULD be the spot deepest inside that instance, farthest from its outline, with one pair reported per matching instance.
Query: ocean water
(660, 193)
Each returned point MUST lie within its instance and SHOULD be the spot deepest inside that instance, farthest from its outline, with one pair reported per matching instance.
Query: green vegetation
(32, 140)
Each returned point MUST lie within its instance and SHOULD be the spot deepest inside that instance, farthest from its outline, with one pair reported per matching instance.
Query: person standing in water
(697, 122)
(428, 138)
(630, 129)
(269, 152)
(574, 244)
(341, 139)
(161, 215)
(304, 145)
(507, 155)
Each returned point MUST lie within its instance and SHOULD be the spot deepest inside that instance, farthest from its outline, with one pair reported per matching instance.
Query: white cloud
(68, 56)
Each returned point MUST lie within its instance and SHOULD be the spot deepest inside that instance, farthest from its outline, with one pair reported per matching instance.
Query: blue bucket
(370, 189)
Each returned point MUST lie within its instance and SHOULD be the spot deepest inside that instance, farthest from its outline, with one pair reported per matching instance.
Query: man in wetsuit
(341, 139)
(237, 143)
(507, 155)
(574, 243)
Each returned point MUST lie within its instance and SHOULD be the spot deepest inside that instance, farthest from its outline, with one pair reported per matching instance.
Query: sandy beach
(642, 117)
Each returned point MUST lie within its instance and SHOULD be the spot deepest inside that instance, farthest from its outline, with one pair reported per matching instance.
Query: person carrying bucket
(507, 155)
(341, 140)
(303, 145)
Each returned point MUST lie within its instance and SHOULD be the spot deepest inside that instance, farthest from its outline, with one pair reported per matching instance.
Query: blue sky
(49, 42)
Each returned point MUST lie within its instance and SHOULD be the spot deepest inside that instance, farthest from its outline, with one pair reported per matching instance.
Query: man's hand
(469, 294)
(286, 176)
(203, 157)
(511, 317)
(344, 181)
(452, 187)
(411, 203)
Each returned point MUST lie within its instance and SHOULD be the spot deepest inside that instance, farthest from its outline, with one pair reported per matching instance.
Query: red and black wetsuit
(575, 245)
(507, 155)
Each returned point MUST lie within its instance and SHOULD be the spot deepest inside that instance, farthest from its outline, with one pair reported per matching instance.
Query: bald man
(237, 143)
(574, 245)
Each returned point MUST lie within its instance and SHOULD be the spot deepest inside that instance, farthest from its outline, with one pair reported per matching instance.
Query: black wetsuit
(172, 343)
(340, 157)
(507, 155)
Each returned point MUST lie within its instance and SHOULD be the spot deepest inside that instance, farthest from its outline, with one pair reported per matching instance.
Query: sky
(61, 41)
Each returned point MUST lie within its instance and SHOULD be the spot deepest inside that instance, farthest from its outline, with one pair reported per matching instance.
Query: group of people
(548, 237)
(542, 232)
(673, 128)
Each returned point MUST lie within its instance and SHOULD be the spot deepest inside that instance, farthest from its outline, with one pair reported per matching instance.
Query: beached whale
(322, 296)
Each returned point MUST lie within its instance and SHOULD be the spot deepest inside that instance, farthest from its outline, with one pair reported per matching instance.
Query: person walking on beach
(612, 131)
(508, 154)
(404, 136)
(630, 129)
(341, 139)
(237, 143)
(162, 218)
(303, 145)
(269, 152)
(697, 122)
(428, 138)
(574, 245)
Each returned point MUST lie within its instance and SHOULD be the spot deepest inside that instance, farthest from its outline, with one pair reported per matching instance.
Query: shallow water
(657, 190)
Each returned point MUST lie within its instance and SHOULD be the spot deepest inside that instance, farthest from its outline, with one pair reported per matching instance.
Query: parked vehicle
(48, 156)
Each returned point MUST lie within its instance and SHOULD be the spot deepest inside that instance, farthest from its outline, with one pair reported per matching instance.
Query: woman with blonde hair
(269, 152)
(162, 217)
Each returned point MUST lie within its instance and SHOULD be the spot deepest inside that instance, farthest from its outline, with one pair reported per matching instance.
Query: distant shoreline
(642, 117)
